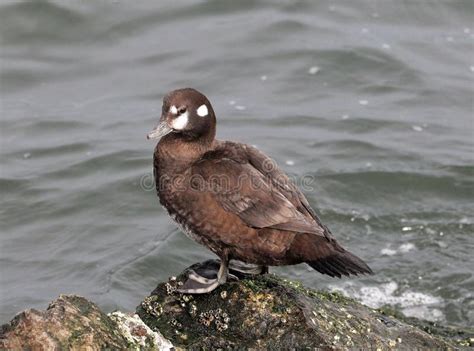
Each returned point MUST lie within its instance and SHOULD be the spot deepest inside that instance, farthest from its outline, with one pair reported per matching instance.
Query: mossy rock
(459, 336)
(267, 312)
(262, 312)
(69, 323)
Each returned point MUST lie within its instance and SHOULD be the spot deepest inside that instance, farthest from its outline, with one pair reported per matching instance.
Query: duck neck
(176, 151)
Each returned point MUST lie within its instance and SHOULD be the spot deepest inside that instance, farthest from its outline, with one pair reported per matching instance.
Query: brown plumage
(234, 199)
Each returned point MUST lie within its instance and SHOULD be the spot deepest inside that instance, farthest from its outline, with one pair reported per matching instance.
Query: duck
(235, 200)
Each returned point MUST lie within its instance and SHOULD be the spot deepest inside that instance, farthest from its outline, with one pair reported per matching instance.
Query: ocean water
(370, 100)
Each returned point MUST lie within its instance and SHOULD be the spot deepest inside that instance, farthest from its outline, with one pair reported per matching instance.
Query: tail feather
(325, 268)
(341, 263)
(325, 255)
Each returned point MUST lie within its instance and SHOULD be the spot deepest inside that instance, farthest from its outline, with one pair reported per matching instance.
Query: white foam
(465, 220)
(363, 102)
(386, 46)
(403, 248)
(430, 231)
(290, 162)
(407, 247)
(313, 70)
(240, 107)
(263, 78)
(412, 303)
(417, 128)
(388, 252)
(431, 314)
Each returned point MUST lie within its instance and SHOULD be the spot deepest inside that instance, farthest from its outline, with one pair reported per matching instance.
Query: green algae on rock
(262, 312)
(267, 312)
(459, 336)
(70, 322)
(74, 323)
(138, 334)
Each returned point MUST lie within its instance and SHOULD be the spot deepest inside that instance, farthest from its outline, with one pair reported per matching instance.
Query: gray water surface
(373, 100)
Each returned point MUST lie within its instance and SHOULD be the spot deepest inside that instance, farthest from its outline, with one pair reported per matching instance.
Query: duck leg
(247, 269)
(197, 284)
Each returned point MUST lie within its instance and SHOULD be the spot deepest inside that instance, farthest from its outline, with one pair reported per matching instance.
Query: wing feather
(263, 197)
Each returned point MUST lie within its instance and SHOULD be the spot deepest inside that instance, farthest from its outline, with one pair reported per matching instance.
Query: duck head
(186, 114)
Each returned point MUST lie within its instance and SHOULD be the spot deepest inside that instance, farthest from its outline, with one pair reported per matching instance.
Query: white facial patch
(174, 110)
(202, 111)
(180, 122)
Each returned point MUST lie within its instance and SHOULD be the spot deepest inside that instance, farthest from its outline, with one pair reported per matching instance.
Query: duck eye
(181, 110)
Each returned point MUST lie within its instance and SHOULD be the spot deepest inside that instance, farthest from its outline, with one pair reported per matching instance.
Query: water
(373, 100)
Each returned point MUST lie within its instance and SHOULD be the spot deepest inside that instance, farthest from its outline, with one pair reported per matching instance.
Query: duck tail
(340, 263)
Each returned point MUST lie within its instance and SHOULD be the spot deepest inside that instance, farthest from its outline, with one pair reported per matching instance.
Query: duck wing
(269, 168)
(248, 184)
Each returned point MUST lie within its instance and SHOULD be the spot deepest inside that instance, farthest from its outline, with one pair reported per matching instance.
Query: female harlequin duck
(234, 199)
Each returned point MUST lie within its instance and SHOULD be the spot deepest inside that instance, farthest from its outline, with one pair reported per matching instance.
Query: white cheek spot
(202, 111)
(174, 110)
(181, 122)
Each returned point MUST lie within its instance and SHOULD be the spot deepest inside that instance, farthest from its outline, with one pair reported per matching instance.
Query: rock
(74, 323)
(69, 321)
(138, 334)
(459, 336)
(267, 312)
(262, 312)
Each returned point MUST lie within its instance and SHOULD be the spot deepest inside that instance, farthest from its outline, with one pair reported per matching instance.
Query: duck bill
(160, 131)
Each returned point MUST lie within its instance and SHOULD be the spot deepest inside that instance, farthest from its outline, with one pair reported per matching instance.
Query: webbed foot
(198, 284)
(206, 276)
